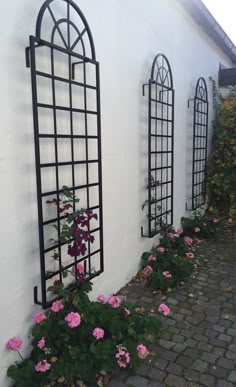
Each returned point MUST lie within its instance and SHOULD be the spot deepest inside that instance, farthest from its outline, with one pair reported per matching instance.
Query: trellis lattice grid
(160, 146)
(67, 132)
(200, 138)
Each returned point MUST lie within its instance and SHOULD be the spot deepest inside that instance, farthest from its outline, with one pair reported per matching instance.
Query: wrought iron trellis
(160, 146)
(199, 155)
(67, 132)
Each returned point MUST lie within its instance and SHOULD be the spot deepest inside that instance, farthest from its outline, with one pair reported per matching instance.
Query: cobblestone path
(197, 346)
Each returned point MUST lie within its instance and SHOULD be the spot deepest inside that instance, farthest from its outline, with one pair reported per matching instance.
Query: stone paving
(197, 346)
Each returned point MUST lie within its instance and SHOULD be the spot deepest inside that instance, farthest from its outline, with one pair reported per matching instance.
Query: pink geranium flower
(78, 268)
(114, 301)
(215, 220)
(123, 358)
(57, 306)
(161, 250)
(171, 235)
(98, 333)
(41, 343)
(163, 308)
(166, 274)
(14, 343)
(148, 269)
(73, 319)
(39, 317)
(180, 231)
(189, 255)
(101, 298)
(126, 312)
(152, 258)
(197, 229)
(188, 240)
(142, 350)
(42, 366)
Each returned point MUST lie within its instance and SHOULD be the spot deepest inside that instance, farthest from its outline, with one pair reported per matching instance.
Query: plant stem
(20, 356)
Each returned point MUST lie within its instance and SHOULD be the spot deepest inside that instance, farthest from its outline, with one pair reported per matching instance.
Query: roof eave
(204, 18)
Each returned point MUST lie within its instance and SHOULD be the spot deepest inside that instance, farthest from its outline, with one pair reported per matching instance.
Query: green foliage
(74, 352)
(173, 260)
(207, 225)
(221, 181)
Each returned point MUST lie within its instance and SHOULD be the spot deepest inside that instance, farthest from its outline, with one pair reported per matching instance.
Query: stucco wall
(127, 35)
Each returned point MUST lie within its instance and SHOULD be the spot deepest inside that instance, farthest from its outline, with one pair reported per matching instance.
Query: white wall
(127, 34)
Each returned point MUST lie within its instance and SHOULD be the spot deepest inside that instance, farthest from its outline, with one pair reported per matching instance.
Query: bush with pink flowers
(170, 262)
(200, 226)
(77, 339)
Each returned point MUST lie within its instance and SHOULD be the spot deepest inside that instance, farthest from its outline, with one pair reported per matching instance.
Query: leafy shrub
(221, 181)
(77, 338)
(200, 226)
(170, 262)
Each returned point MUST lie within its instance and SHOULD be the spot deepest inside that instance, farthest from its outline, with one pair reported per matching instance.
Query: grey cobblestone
(199, 365)
(232, 377)
(197, 347)
(174, 369)
(137, 381)
(225, 363)
(173, 380)
(207, 380)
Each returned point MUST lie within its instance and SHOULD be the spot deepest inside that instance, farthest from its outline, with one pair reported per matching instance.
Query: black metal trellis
(200, 132)
(160, 146)
(67, 132)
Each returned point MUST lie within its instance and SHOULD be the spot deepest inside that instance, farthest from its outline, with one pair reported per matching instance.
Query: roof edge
(204, 18)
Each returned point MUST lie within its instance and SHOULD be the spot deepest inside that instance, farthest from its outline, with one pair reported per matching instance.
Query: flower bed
(80, 340)
(200, 226)
(170, 262)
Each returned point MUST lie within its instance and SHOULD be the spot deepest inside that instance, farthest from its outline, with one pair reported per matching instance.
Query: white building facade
(127, 36)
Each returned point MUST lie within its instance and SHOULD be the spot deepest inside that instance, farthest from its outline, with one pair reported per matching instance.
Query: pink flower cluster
(197, 229)
(114, 301)
(98, 333)
(215, 220)
(42, 366)
(142, 350)
(73, 319)
(188, 240)
(126, 312)
(123, 358)
(79, 269)
(101, 298)
(189, 255)
(166, 274)
(180, 231)
(147, 270)
(171, 235)
(39, 317)
(14, 343)
(161, 250)
(163, 308)
(152, 258)
(57, 306)
(41, 343)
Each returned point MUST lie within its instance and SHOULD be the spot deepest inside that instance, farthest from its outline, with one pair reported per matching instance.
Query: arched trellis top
(201, 90)
(161, 71)
(58, 23)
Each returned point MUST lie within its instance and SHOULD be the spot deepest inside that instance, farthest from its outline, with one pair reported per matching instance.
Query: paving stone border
(197, 346)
